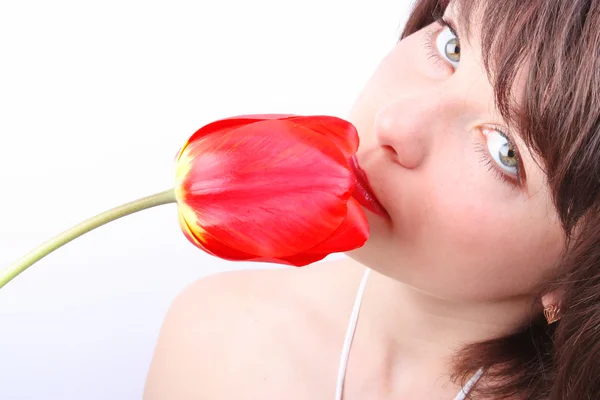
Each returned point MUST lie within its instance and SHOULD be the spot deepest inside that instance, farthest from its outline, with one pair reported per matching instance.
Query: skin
(458, 260)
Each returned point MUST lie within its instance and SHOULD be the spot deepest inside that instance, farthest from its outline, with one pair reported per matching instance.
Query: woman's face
(471, 217)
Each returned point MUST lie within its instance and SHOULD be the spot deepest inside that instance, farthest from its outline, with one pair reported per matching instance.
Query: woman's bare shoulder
(219, 327)
(201, 333)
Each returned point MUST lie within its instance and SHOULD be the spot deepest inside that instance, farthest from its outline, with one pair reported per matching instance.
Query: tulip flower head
(271, 188)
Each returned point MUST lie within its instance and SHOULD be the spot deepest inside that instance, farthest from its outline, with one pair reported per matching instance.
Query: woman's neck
(405, 332)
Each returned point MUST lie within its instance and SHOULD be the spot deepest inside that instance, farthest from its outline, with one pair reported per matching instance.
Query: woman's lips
(363, 192)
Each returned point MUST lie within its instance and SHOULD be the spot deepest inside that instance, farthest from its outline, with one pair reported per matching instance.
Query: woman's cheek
(500, 242)
(464, 223)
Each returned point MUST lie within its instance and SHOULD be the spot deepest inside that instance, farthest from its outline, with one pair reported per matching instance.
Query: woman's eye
(448, 46)
(503, 152)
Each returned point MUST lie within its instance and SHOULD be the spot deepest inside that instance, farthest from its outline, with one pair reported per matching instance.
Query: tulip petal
(220, 126)
(215, 248)
(352, 234)
(341, 132)
(272, 188)
(208, 243)
(226, 124)
(302, 259)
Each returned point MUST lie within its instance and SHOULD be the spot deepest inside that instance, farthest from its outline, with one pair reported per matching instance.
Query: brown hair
(556, 43)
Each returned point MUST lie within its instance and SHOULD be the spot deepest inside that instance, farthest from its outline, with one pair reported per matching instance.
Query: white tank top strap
(462, 395)
(464, 392)
(349, 336)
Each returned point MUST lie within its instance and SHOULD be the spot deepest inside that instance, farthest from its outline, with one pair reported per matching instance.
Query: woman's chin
(376, 249)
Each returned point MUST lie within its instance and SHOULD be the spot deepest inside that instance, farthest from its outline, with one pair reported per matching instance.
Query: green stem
(14, 269)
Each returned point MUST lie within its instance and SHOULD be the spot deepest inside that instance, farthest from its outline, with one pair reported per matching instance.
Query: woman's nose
(404, 128)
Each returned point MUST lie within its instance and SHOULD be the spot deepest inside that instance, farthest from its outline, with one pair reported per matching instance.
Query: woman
(480, 134)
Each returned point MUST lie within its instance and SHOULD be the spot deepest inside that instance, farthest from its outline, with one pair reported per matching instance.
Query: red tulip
(275, 188)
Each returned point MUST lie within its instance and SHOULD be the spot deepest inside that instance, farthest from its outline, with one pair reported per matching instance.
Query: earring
(552, 313)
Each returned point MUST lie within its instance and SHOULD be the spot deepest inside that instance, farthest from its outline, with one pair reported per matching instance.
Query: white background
(95, 100)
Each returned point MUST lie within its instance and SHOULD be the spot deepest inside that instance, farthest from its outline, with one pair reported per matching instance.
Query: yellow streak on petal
(182, 168)
(187, 216)
(182, 150)
(189, 222)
